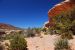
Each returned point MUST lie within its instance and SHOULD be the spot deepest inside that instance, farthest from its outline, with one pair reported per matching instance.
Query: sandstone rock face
(57, 9)
(46, 24)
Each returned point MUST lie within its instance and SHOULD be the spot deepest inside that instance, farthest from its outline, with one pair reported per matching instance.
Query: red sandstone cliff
(57, 9)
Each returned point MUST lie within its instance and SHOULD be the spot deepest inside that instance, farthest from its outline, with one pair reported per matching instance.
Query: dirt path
(45, 43)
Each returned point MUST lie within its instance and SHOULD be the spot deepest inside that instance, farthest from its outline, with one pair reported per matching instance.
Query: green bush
(37, 30)
(44, 29)
(12, 35)
(50, 32)
(67, 35)
(18, 43)
(45, 33)
(62, 44)
(65, 21)
(9, 36)
(30, 33)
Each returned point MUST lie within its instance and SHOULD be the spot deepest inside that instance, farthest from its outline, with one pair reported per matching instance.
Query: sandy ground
(72, 43)
(44, 43)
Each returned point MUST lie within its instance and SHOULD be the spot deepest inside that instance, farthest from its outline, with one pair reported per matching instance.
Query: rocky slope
(8, 26)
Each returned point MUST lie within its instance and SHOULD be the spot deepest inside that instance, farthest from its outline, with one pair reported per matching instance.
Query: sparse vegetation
(64, 24)
(51, 31)
(62, 44)
(12, 35)
(18, 43)
(44, 29)
(67, 35)
(30, 32)
(9, 36)
(2, 35)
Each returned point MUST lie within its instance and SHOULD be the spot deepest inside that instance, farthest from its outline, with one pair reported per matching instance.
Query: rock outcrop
(65, 6)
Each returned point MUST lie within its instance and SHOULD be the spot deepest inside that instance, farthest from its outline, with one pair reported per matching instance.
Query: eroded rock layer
(65, 6)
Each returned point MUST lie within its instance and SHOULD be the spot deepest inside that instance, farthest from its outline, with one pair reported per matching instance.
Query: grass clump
(67, 35)
(30, 33)
(18, 43)
(62, 44)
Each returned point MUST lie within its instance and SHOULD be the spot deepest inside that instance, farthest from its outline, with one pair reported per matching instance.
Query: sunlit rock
(64, 6)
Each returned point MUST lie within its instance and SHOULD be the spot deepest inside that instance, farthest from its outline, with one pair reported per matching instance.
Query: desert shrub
(73, 27)
(18, 43)
(51, 31)
(12, 35)
(67, 35)
(65, 21)
(37, 30)
(30, 33)
(2, 36)
(62, 44)
(45, 33)
(44, 29)
(9, 36)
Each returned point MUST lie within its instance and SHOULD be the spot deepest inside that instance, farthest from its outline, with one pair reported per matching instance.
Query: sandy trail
(45, 43)
(72, 43)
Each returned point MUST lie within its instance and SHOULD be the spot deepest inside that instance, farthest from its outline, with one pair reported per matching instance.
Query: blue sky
(25, 13)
